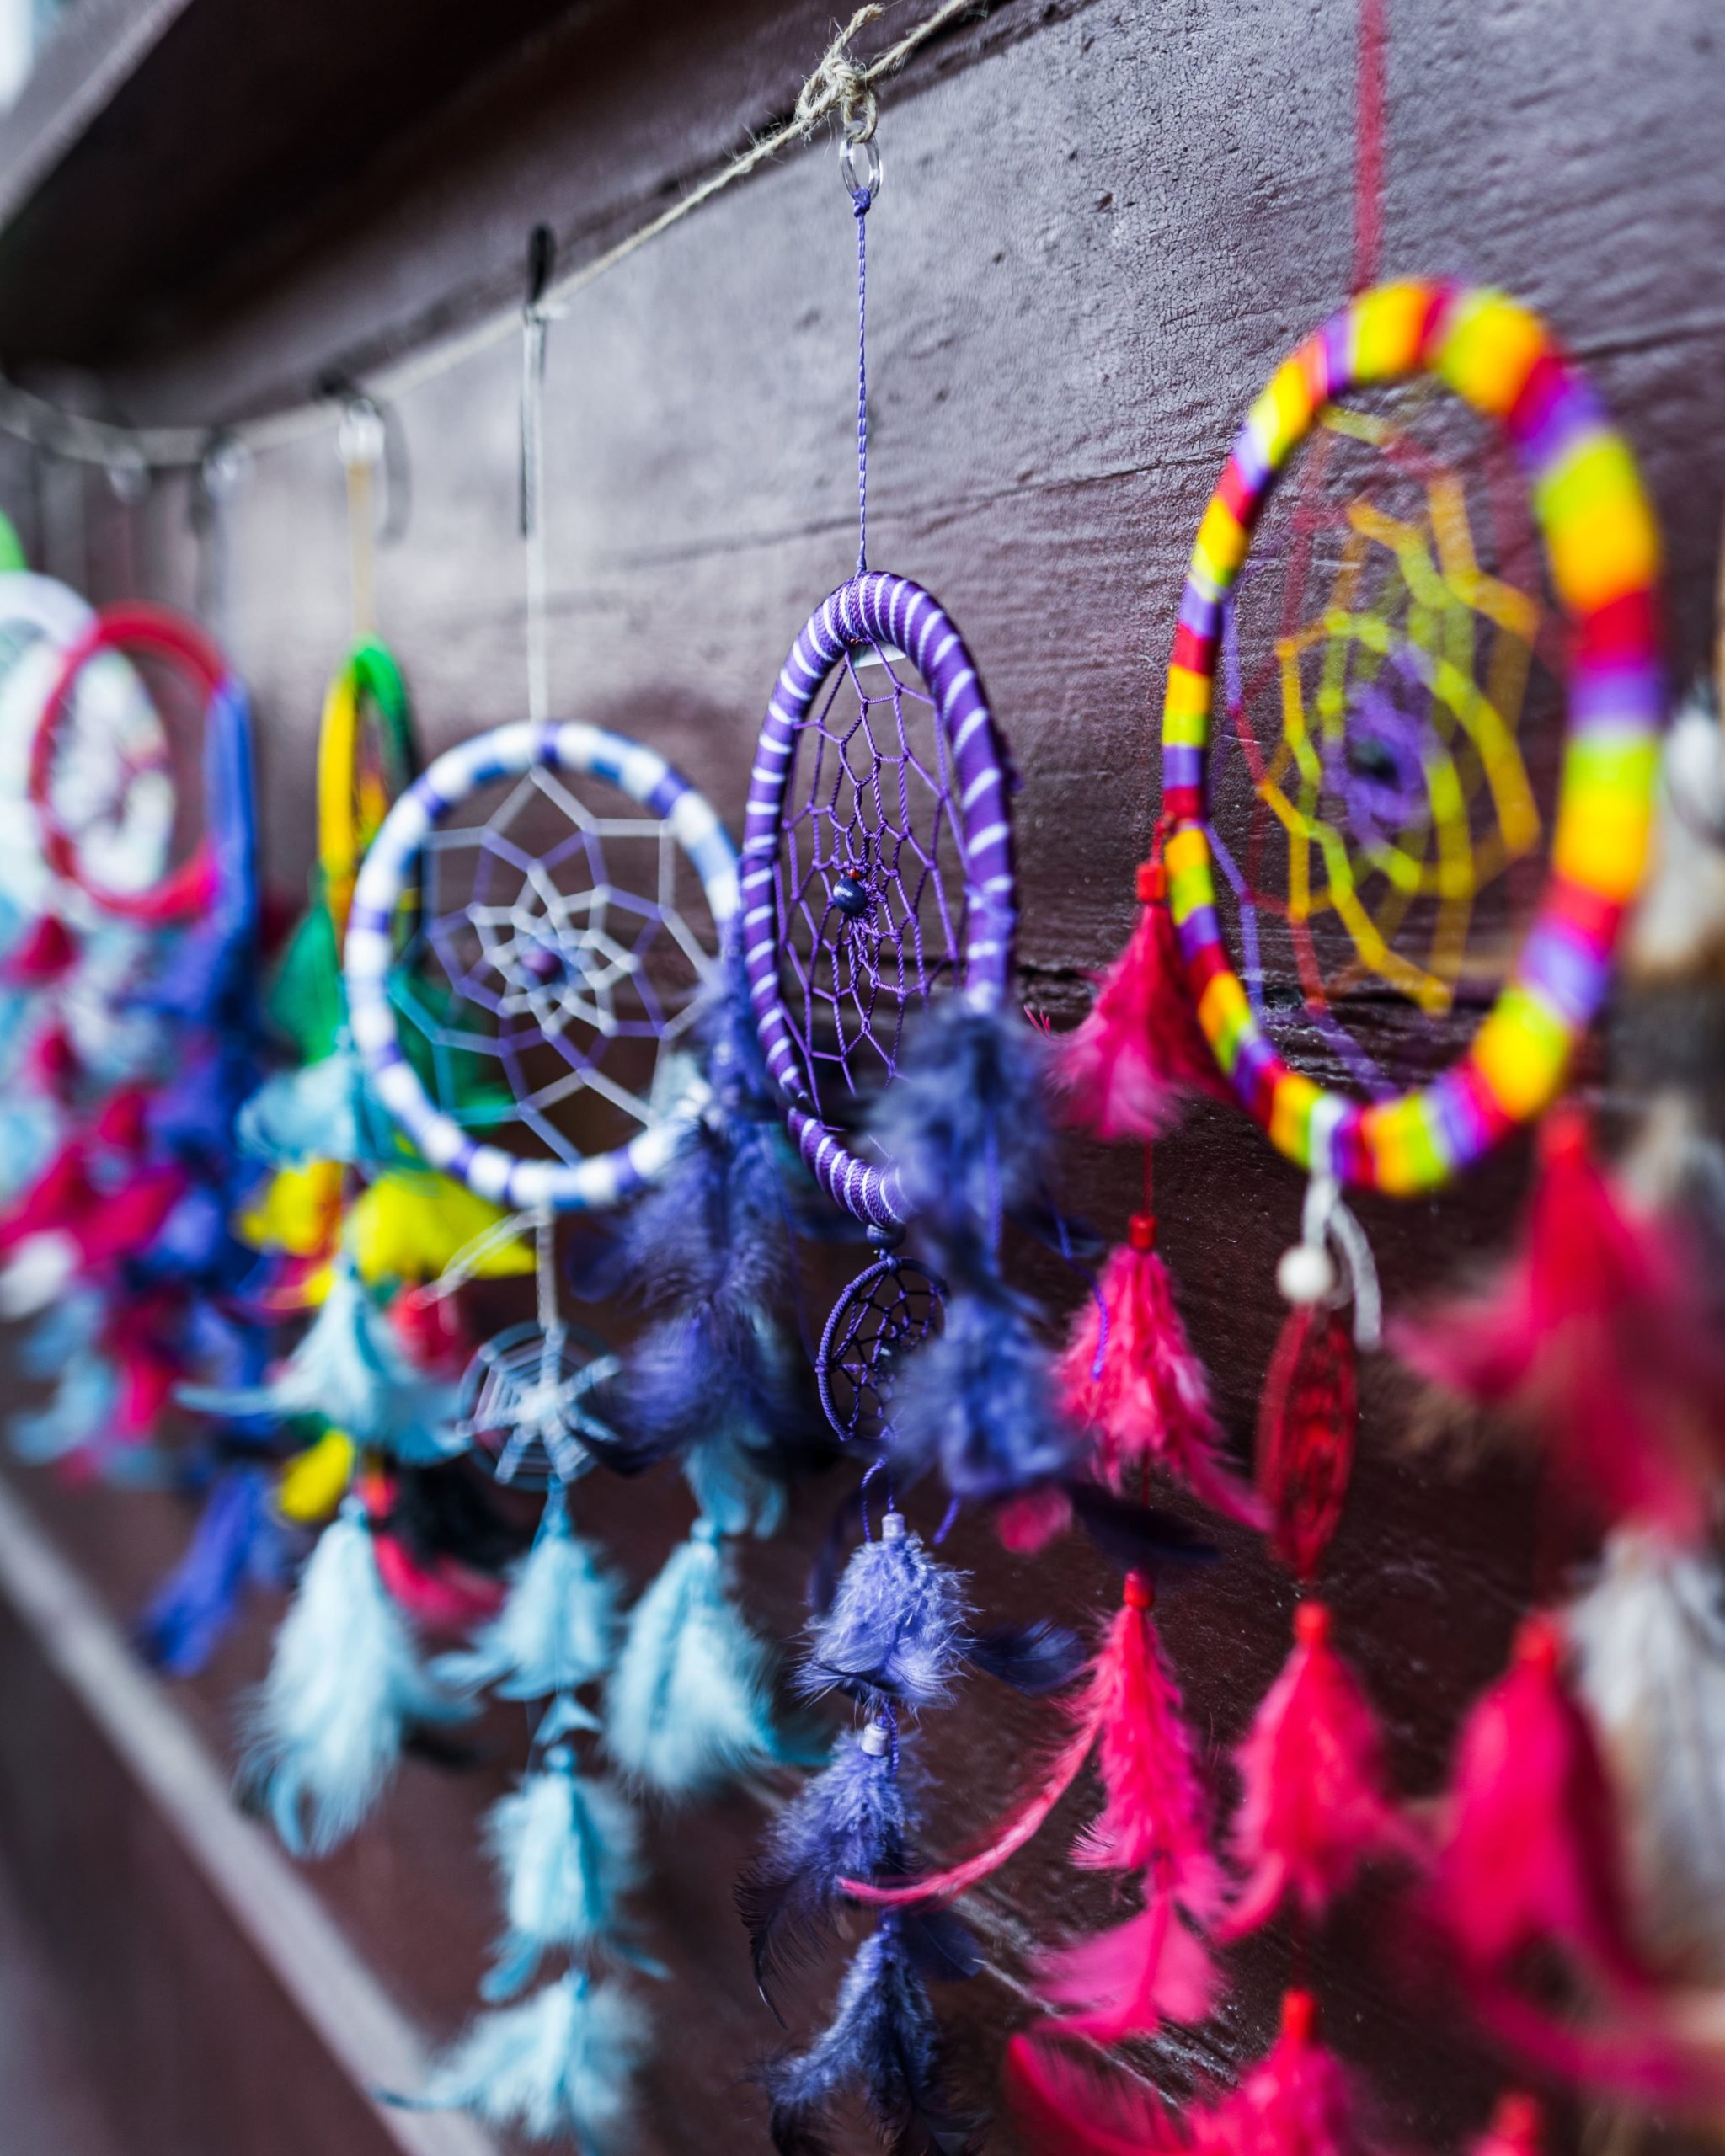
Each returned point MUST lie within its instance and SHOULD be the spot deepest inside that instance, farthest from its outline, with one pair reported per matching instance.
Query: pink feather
(1069, 2108)
(1533, 1853)
(430, 1329)
(59, 1197)
(1130, 1979)
(129, 1218)
(52, 1065)
(1145, 1395)
(1154, 1813)
(1031, 1520)
(1155, 1810)
(1314, 1805)
(1517, 2127)
(1597, 1335)
(1126, 1071)
(1298, 2102)
(46, 954)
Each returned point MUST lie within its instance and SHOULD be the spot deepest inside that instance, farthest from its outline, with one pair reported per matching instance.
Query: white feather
(689, 1704)
(325, 1729)
(1678, 926)
(1650, 1640)
(559, 2063)
(558, 1628)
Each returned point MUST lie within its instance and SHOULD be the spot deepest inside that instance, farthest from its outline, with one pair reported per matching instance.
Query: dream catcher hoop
(84, 805)
(1602, 551)
(541, 964)
(848, 923)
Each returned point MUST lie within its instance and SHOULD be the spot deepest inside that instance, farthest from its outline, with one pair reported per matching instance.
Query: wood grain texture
(1102, 226)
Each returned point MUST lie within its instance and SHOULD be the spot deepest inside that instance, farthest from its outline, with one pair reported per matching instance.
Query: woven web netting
(1386, 741)
(870, 886)
(555, 972)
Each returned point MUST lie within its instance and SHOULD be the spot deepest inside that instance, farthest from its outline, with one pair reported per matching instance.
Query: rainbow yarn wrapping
(1602, 547)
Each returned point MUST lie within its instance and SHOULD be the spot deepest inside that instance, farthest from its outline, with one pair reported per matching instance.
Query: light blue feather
(729, 1488)
(325, 1729)
(558, 1628)
(568, 1849)
(560, 2063)
(321, 1111)
(65, 1330)
(689, 1706)
(82, 1411)
(349, 1370)
(29, 1125)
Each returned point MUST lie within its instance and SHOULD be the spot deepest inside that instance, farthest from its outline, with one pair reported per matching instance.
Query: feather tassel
(344, 1685)
(1155, 1814)
(558, 1628)
(349, 1371)
(1533, 1854)
(561, 2064)
(1299, 2101)
(1128, 1069)
(1314, 1807)
(1596, 1336)
(882, 2041)
(896, 1629)
(1127, 1981)
(567, 1848)
(978, 1402)
(689, 1704)
(1068, 2107)
(1138, 1387)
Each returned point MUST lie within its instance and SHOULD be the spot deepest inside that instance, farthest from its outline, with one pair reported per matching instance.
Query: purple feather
(882, 2041)
(1034, 1659)
(195, 1605)
(964, 1124)
(978, 1402)
(849, 1822)
(898, 1628)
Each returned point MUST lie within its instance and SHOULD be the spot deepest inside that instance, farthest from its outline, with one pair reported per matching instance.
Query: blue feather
(978, 1402)
(83, 1410)
(847, 1822)
(882, 2042)
(193, 1608)
(321, 1111)
(349, 1371)
(568, 1849)
(64, 1332)
(964, 1124)
(559, 2064)
(558, 1628)
(192, 1117)
(898, 1628)
(345, 1684)
(689, 1706)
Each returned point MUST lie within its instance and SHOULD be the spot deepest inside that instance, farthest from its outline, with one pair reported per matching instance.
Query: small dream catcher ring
(522, 1408)
(886, 1312)
(856, 895)
(1602, 548)
(388, 880)
(134, 822)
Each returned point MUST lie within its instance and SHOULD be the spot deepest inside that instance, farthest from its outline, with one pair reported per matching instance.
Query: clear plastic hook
(128, 475)
(226, 465)
(859, 167)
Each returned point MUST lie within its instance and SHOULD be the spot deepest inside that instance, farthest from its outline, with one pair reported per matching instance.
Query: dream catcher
(1370, 740)
(878, 911)
(567, 893)
(135, 1205)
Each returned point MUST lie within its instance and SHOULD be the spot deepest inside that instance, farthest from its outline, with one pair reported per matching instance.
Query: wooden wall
(1102, 224)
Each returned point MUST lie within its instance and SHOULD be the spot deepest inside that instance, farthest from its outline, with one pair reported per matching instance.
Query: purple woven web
(563, 962)
(883, 1316)
(870, 888)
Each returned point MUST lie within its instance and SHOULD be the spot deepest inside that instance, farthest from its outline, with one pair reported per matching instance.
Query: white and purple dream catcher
(569, 945)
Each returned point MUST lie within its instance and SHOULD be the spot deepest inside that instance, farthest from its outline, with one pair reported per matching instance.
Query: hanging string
(837, 85)
(860, 165)
(1369, 143)
(533, 327)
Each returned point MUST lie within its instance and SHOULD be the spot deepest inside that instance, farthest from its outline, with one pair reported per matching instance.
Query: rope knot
(839, 85)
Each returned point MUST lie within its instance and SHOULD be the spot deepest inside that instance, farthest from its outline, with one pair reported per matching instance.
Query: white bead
(1305, 1274)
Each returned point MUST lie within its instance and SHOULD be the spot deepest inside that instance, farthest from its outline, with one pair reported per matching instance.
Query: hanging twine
(840, 88)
